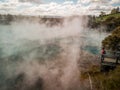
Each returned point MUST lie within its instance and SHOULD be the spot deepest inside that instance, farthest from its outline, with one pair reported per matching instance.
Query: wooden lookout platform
(110, 60)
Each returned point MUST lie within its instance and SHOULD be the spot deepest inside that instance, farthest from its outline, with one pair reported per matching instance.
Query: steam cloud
(37, 57)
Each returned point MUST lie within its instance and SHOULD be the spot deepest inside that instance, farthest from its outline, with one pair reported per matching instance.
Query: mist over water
(35, 56)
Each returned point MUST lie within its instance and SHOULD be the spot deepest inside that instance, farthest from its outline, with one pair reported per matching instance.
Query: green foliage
(102, 13)
(116, 31)
(109, 21)
(103, 18)
(103, 81)
(113, 40)
(115, 10)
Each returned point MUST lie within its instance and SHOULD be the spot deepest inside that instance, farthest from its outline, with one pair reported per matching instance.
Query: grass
(103, 81)
(105, 17)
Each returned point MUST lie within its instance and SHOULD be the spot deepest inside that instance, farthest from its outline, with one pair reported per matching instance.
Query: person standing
(103, 52)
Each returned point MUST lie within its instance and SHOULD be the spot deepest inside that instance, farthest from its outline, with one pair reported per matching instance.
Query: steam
(36, 56)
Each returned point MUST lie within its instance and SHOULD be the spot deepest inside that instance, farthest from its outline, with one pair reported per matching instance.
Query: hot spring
(46, 55)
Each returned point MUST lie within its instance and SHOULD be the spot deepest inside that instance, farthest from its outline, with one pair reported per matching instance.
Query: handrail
(111, 51)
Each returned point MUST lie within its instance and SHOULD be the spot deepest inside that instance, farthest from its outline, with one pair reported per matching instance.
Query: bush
(103, 81)
(113, 40)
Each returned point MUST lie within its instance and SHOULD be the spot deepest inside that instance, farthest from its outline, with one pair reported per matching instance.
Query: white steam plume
(48, 54)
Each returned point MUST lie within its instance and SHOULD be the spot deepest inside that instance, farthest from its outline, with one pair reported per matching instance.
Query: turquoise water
(92, 49)
(15, 50)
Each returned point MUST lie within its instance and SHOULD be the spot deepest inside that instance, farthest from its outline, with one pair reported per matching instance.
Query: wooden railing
(110, 56)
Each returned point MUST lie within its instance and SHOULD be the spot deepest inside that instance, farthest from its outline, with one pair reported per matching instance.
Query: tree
(113, 40)
(115, 10)
(102, 13)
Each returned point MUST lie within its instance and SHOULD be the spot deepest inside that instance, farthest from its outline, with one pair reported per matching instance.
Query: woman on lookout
(103, 52)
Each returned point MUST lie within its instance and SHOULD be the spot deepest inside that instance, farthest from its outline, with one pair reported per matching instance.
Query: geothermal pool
(34, 56)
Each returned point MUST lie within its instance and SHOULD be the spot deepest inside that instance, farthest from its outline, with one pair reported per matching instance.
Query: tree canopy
(112, 41)
(115, 10)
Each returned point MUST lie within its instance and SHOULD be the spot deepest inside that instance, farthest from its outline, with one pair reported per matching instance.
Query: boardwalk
(110, 60)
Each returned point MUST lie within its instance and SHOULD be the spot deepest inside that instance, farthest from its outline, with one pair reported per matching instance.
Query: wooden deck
(110, 58)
